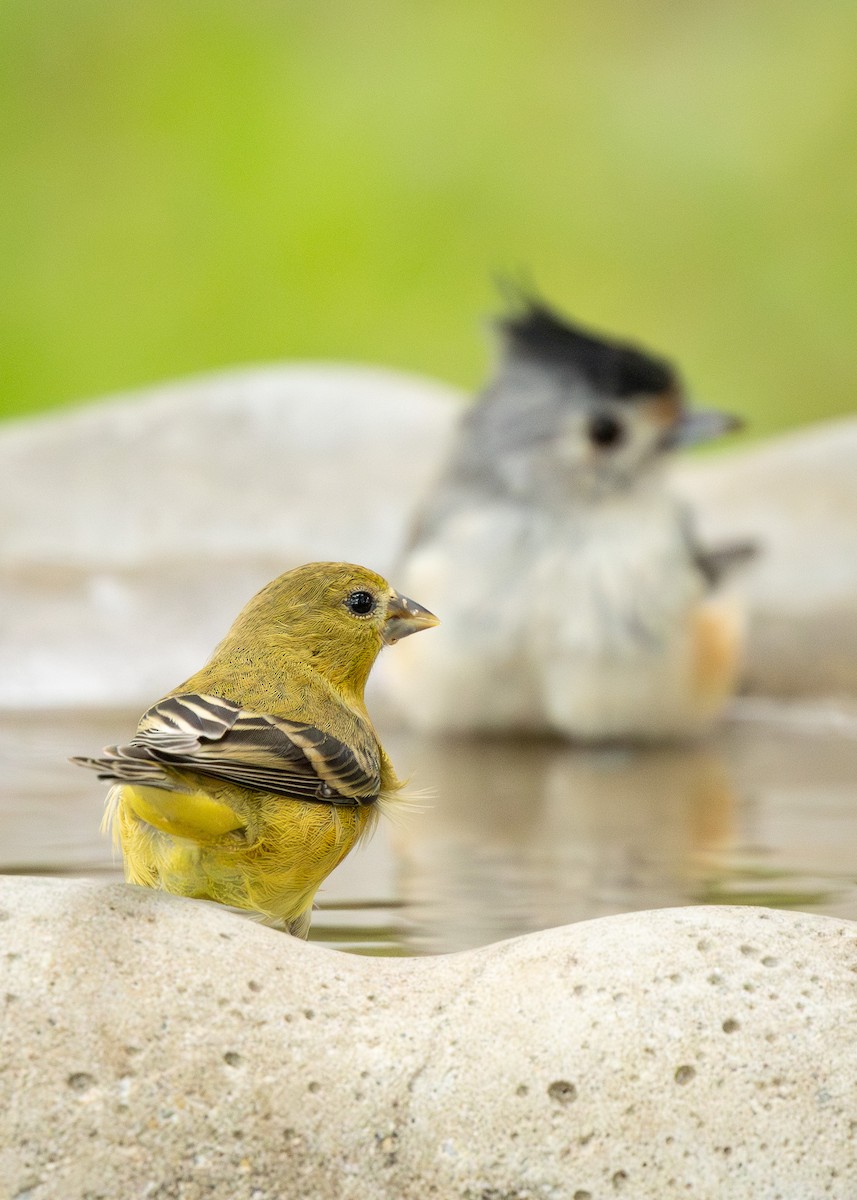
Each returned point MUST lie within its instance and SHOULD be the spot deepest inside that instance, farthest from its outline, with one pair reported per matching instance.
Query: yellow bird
(251, 781)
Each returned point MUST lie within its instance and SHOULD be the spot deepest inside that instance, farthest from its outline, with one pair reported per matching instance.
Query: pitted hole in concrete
(232, 1059)
(619, 1180)
(81, 1081)
(770, 961)
(309, 1013)
(253, 986)
(580, 1194)
(716, 978)
(748, 951)
(386, 1143)
(730, 1025)
(703, 944)
(684, 1073)
(522, 1090)
(562, 1091)
(4, 915)
(313, 1086)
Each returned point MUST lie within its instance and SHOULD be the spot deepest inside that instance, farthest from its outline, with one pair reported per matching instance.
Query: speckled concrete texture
(159, 1048)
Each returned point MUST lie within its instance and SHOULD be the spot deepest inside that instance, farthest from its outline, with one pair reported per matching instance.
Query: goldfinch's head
(332, 616)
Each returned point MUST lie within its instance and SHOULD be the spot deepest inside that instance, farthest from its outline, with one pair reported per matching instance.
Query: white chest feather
(578, 623)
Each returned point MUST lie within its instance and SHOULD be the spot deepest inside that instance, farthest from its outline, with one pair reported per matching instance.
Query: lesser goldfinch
(604, 619)
(249, 782)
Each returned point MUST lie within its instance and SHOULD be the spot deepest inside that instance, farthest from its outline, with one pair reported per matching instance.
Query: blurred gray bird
(575, 598)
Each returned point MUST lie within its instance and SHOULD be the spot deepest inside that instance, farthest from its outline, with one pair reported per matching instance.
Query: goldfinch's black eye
(605, 430)
(360, 603)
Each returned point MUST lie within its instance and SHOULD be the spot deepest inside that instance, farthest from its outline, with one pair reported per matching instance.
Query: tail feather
(117, 766)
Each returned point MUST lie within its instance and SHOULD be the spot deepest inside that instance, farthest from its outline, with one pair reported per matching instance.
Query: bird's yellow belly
(267, 854)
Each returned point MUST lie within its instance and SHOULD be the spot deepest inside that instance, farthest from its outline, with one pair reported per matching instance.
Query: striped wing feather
(212, 736)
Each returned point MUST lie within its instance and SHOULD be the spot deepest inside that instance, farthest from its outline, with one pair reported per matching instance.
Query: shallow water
(517, 837)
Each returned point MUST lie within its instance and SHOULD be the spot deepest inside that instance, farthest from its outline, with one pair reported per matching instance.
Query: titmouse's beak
(701, 425)
(404, 617)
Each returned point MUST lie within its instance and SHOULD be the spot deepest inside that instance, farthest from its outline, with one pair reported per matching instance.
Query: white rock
(797, 496)
(166, 1048)
(276, 462)
(133, 530)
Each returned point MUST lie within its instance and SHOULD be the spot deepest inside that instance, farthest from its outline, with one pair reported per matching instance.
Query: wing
(211, 736)
(718, 562)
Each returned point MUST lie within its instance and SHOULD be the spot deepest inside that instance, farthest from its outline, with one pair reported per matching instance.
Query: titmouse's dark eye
(605, 430)
(360, 603)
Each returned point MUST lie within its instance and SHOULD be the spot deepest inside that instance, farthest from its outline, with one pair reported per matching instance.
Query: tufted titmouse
(573, 595)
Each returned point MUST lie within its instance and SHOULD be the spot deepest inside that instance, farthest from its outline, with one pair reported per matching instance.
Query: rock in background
(796, 495)
(134, 529)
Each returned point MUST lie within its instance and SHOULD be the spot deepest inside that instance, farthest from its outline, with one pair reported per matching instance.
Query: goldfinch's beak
(701, 425)
(404, 617)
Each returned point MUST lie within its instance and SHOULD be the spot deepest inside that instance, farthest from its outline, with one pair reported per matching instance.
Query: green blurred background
(189, 185)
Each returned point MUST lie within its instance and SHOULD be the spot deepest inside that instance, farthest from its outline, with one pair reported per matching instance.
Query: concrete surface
(155, 1047)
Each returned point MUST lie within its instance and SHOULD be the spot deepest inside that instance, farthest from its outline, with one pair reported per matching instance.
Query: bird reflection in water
(522, 836)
